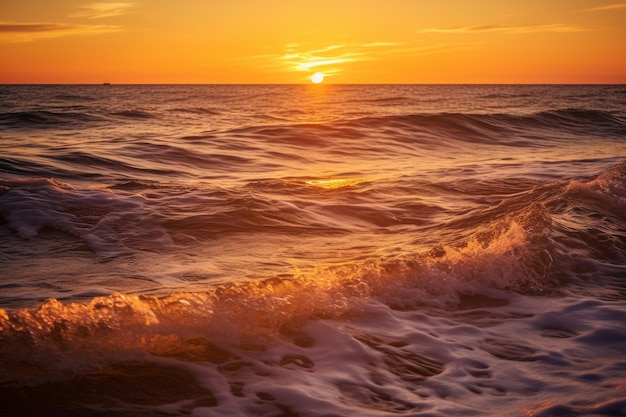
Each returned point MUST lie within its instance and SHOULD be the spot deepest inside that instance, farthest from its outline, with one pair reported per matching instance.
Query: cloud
(514, 29)
(304, 61)
(104, 9)
(330, 59)
(313, 62)
(25, 32)
(606, 7)
(12, 32)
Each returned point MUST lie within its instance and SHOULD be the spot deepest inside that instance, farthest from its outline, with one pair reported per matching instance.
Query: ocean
(313, 250)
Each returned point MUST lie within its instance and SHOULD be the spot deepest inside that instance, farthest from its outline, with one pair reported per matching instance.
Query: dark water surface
(313, 250)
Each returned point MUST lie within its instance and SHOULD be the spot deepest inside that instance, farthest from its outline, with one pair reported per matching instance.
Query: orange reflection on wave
(333, 183)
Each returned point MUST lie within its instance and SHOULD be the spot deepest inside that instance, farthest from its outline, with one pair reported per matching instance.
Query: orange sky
(285, 41)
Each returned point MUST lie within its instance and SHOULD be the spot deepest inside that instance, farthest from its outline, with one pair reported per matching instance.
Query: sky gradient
(285, 41)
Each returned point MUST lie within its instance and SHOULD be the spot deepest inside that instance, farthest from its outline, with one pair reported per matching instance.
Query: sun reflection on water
(333, 183)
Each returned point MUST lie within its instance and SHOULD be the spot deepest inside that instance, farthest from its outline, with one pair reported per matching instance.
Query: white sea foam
(94, 215)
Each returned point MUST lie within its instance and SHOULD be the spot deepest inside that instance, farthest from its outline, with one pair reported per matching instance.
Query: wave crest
(608, 188)
(94, 215)
(514, 253)
(44, 119)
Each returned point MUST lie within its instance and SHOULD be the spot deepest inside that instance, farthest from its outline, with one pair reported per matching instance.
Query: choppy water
(313, 250)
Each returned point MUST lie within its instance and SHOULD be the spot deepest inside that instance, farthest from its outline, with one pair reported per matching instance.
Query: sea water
(323, 250)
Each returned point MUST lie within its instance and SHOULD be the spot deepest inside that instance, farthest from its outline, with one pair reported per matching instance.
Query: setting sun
(317, 78)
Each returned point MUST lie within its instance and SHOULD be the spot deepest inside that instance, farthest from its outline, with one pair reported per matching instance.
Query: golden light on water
(333, 183)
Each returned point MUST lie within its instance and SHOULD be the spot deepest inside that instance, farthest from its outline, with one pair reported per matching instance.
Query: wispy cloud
(330, 59)
(26, 32)
(12, 32)
(104, 9)
(321, 62)
(305, 61)
(300, 59)
(513, 29)
(606, 7)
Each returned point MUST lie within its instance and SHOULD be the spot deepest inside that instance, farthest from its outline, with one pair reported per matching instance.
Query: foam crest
(514, 252)
(608, 187)
(94, 215)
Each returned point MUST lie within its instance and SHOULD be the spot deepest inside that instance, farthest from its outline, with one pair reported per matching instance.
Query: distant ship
(106, 83)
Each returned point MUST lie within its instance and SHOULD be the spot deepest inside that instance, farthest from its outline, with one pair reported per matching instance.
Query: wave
(535, 129)
(195, 110)
(498, 127)
(305, 324)
(134, 114)
(30, 206)
(73, 97)
(382, 100)
(382, 316)
(116, 327)
(293, 206)
(447, 129)
(43, 119)
(517, 245)
(609, 188)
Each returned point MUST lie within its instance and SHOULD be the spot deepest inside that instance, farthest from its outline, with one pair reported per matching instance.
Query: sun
(317, 78)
